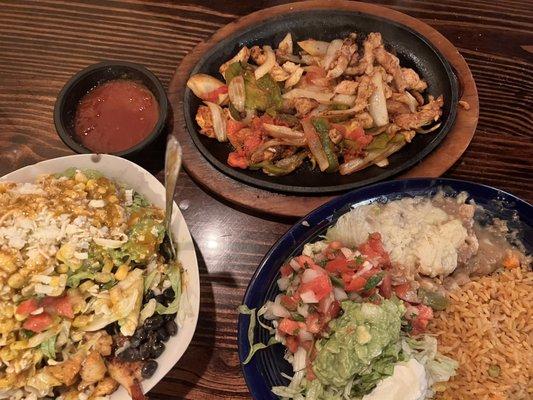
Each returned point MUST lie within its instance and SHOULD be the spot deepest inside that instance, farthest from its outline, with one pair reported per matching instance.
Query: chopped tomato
(286, 270)
(213, 95)
(306, 262)
(38, 323)
(320, 286)
(420, 323)
(358, 135)
(314, 323)
(334, 310)
(291, 342)
(385, 288)
(27, 307)
(374, 251)
(338, 265)
(357, 284)
(347, 277)
(232, 127)
(237, 160)
(251, 142)
(288, 326)
(58, 305)
(290, 303)
(406, 293)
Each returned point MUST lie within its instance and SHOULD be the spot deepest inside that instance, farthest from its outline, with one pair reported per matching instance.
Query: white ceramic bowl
(142, 181)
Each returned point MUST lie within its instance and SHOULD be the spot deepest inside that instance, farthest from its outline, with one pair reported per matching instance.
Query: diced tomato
(58, 305)
(306, 261)
(406, 293)
(385, 288)
(213, 95)
(357, 284)
(27, 307)
(334, 310)
(251, 142)
(321, 286)
(289, 302)
(286, 270)
(314, 323)
(374, 251)
(238, 160)
(38, 323)
(338, 265)
(288, 326)
(347, 277)
(420, 323)
(292, 343)
(358, 135)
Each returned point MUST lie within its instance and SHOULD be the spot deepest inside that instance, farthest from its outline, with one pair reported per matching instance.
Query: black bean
(148, 369)
(129, 354)
(171, 327)
(169, 317)
(153, 322)
(157, 349)
(140, 334)
(112, 329)
(169, 293)
(162, 334)
(145, 351)
(151, 338)
(161, 300)
(135, 341)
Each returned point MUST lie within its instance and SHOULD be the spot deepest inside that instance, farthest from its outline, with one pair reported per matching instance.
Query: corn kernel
(112, 198)
(7, 263)
(16, 281)
(108, 266)
(19, 345)
(122, 272)
(62, 269)
(85, 286)
(103, 277)
(80, 177)
(80, 321)
(90, 184)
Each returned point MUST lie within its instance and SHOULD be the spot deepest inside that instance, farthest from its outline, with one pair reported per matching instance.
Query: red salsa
(115, 116)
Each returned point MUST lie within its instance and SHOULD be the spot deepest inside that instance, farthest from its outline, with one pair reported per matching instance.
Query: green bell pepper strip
(322, 128)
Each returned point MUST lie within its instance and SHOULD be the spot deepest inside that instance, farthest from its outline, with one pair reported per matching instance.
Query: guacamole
(363, 335)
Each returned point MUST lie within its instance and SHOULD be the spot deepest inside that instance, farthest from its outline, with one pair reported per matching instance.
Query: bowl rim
(321, 217)
(159, 94)
(266, 184)
(125, 171)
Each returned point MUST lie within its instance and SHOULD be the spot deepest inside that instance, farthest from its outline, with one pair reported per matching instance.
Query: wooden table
(42, 43)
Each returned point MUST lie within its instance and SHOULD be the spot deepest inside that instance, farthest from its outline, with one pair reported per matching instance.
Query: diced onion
(283, 283)
(377, 103)
(304, 335)
(347, 253)
(303, 310)
(294, 264)
(308, 297)
(321, 97)
(279, 311)
(314, 47)
(236, 93)
(282, 132)
(339, 294)
(269, 63)
(309, 274)
(219, 122)
(331, 53)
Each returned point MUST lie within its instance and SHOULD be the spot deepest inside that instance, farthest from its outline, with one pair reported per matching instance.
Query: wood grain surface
(286, 205)
(42, 43)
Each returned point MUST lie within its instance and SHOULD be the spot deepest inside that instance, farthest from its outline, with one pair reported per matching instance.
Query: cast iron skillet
(265, 368)
(413, 50)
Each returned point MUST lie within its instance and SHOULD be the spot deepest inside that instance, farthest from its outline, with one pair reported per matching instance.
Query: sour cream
(408, 382)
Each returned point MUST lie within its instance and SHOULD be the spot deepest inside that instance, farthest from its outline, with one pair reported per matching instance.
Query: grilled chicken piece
(103, 342)
(392, 65)
(346, 87)
(304, 106)
(366, 63)
(427, 113)
(92, 369)
(364, 91)
(344, 55)
(413, 81)
(258, 55)
(106, 386)
(67, 371)
(205, 121)
(395, 107)
(128, 375)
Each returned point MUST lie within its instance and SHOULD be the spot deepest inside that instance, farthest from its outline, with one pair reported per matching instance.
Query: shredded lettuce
(150, 278)
(243, 309)
(174, 276)
(48, 347)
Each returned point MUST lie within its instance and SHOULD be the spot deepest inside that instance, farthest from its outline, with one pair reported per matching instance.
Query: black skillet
(413, 50)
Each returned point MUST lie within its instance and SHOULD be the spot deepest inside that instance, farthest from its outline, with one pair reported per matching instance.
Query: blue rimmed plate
(264, 370)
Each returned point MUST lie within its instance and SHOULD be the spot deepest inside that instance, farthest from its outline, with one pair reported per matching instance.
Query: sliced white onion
(294, 78)
(203, 84)
(377, 103)
(347, 99)
(283, 283)
(236, 93)
(294, 264)
(269, 63)
(110, 243)
(331, 53)
(282, 132)
(314, 47)
(304, 335)
(308, 297)
(320, 96)
(309, 274)
(219, 122)
(382, 162)
(300, 359)
(303, 310)
(413, 104)
(339, 293)
(242, 56)
(285, 46)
